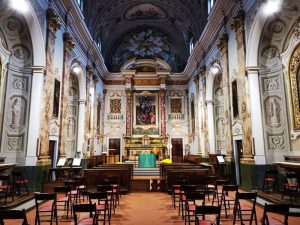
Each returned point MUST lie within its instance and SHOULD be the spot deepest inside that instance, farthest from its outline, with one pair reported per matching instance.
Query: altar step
(146, 171)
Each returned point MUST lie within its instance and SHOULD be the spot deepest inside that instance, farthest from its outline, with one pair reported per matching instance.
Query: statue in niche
(274, 112)
(16, 109)
(221, 130)
(70, 128)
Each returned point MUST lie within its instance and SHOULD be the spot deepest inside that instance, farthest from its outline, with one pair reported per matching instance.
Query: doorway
(114, 147)
(177, 150)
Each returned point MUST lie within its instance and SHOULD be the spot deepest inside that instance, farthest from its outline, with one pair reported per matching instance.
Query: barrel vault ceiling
(129, 29)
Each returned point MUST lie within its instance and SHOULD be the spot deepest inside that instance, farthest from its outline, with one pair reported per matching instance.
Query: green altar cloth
(147, 160)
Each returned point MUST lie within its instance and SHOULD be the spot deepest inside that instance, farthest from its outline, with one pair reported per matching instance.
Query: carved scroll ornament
(293, 70)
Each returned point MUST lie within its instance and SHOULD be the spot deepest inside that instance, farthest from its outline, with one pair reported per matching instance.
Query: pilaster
(237, 25)
(68, 47)
(53, 25)
(223, 47)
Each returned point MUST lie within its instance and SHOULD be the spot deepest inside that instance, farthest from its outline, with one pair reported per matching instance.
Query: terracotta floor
(150, 208)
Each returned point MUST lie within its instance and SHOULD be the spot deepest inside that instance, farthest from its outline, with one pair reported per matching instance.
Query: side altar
(145, 144)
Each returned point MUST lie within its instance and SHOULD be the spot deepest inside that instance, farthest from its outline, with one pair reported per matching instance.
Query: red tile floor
(150, 208)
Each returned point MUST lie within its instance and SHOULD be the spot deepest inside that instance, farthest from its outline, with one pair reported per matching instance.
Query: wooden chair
(228, 196)
(13, 215)
(190, 205)
(90, 209)
(278, 208)
(102, 206)
(242, 210)
(20, 182)
(45, 210)
(217, 194)
(6, 188)
(109, 190)
(270, 179)
(291, 185)
(202, 211)
(63, 200)
(184, 189)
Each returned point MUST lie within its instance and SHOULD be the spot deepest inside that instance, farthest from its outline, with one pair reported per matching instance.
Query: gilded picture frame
(145, 113)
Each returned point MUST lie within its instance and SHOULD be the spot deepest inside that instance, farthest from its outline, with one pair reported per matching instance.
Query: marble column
(223, 47)
(35, 112)
(211, 126)
(93, 116)
(68, 47)
(256, 115)
(197, 112)
(202, 72)
(163, 128)
(80, 132)
(237, 25)
(53, 25)
(128, 112)
(87, 113)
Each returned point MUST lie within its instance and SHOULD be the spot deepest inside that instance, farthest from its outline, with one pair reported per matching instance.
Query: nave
(150, 208)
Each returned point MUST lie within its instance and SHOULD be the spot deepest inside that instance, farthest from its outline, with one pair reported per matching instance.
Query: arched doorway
(72, 117)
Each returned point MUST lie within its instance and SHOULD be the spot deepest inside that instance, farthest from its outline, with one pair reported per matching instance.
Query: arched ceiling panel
(116, 22)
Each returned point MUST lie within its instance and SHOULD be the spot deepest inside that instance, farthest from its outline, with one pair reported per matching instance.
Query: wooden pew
(192, 176)
(167, 167)
(128, 166)
(163, 167)
(98, 176)
(193, 159)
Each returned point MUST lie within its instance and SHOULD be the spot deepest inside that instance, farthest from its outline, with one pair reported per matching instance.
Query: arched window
(191, 45)
(210, 5)
(80, 3)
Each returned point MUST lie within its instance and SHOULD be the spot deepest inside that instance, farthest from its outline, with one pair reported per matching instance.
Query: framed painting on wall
(145, 108)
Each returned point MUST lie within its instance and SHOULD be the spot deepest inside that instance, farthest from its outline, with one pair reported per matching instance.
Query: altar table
(147, 160)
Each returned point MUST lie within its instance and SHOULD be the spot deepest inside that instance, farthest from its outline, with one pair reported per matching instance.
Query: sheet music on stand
(220, 159)
(61, 162)
(76, 162)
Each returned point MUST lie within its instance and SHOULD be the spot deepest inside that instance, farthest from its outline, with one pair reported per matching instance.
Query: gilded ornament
(223, 42)
(237, 24)
(293, 69)
(53, 20)
(243, 107)
(68, 41)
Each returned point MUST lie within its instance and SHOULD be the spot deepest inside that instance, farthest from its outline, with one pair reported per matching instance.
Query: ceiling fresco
(145, 29)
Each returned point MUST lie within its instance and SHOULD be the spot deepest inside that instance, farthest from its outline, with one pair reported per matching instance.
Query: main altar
(145, 144)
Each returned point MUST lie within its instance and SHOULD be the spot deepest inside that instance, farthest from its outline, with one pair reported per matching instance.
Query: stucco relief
(276, 142)
(273, 111)
(271, 84)
(19, 83)
(237, 128)
(54, 128)
(16, 113)
(14, 143)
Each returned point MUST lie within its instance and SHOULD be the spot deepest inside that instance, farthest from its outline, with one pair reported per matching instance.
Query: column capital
(196, 80)
(223, 42)
(69, 43)
(52, 20)
(237, 23)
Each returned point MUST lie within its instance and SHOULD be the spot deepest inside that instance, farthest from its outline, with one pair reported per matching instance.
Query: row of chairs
(291, 186)
(225, 196)
(12, 182)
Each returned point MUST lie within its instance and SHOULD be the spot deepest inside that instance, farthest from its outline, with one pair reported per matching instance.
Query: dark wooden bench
(186, 166)
(98, 176)
(190, 176)
(127, 166)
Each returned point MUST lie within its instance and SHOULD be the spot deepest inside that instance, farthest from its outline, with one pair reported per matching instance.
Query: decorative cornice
(69, 43)
(237, 23)
(53, 20)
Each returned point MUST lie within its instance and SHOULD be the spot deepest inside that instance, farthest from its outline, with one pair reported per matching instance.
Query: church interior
(126, 109)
